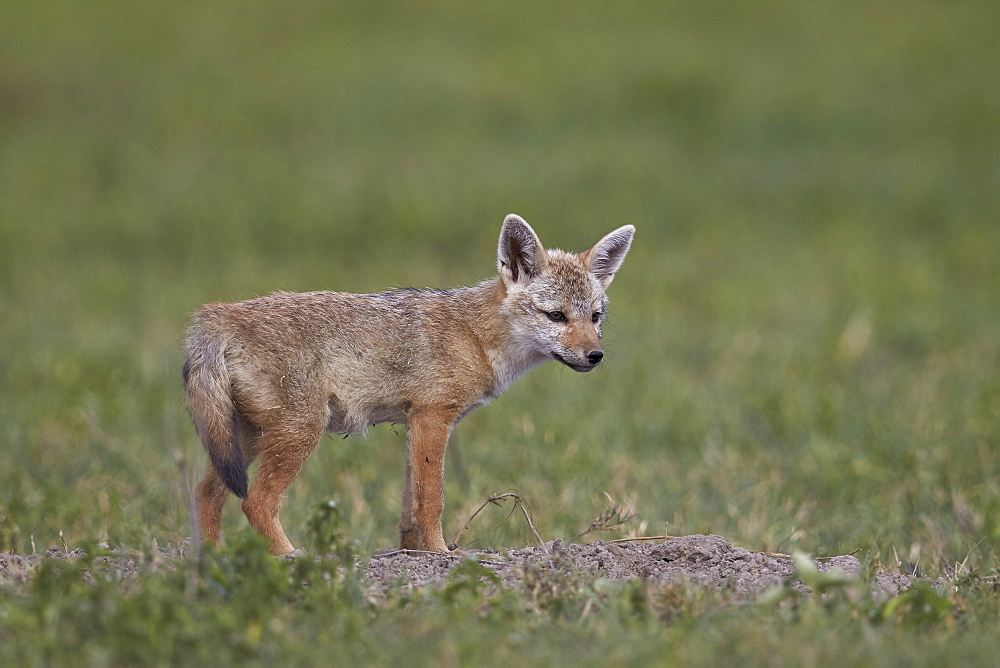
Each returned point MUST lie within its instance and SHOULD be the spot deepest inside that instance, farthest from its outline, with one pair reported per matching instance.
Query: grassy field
(804, 344)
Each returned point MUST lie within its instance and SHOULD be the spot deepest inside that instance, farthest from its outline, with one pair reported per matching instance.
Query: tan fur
(267, 377)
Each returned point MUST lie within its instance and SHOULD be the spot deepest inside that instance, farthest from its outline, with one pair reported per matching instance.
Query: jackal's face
(556, 301)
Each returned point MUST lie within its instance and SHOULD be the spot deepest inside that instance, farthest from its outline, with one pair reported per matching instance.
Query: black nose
(595, 357)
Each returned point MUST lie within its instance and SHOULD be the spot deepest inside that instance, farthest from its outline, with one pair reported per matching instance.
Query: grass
(804, 342)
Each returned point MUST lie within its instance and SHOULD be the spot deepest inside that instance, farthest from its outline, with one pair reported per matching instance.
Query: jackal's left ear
(608, 254)
(520, 256)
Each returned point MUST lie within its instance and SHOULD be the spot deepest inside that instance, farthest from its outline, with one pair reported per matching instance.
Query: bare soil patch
(706, 561)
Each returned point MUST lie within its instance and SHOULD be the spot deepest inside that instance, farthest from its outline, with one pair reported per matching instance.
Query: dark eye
(596, 317)
(556, 316)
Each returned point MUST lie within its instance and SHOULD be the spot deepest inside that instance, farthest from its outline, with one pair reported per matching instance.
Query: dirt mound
(704, 561)
(708, 561)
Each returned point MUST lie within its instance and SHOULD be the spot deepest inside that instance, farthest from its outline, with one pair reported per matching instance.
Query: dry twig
(495, 500)
(610, 519)
(638, 538)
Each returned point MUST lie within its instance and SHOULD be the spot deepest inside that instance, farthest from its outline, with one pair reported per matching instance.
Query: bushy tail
(211, 405)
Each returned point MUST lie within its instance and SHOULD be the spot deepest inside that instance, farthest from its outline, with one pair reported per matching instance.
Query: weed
(329, 533)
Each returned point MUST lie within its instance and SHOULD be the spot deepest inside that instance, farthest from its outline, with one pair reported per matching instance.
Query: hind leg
(282, 453)
(211, 493)
(210, 496)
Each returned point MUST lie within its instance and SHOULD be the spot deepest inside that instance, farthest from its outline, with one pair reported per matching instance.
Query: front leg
(427, 434)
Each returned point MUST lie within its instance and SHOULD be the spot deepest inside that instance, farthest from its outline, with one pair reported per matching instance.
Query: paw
(297, 552)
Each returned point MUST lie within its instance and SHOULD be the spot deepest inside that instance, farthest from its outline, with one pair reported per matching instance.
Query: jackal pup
(267, 377)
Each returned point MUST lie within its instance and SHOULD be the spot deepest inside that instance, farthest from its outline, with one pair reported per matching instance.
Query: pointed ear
(520, 256)
(608, 254)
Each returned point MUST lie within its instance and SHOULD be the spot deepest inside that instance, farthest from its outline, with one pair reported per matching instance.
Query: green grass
(804, 349)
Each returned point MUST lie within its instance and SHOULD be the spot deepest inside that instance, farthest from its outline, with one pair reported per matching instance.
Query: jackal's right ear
(520, 256)
(607, 255)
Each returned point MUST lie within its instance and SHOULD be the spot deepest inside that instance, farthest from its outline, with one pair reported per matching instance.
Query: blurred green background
(803, 345)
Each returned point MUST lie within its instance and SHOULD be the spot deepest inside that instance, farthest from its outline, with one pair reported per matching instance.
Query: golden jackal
(267, 377)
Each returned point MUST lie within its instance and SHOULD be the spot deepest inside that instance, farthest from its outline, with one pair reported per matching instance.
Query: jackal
(267, 377)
